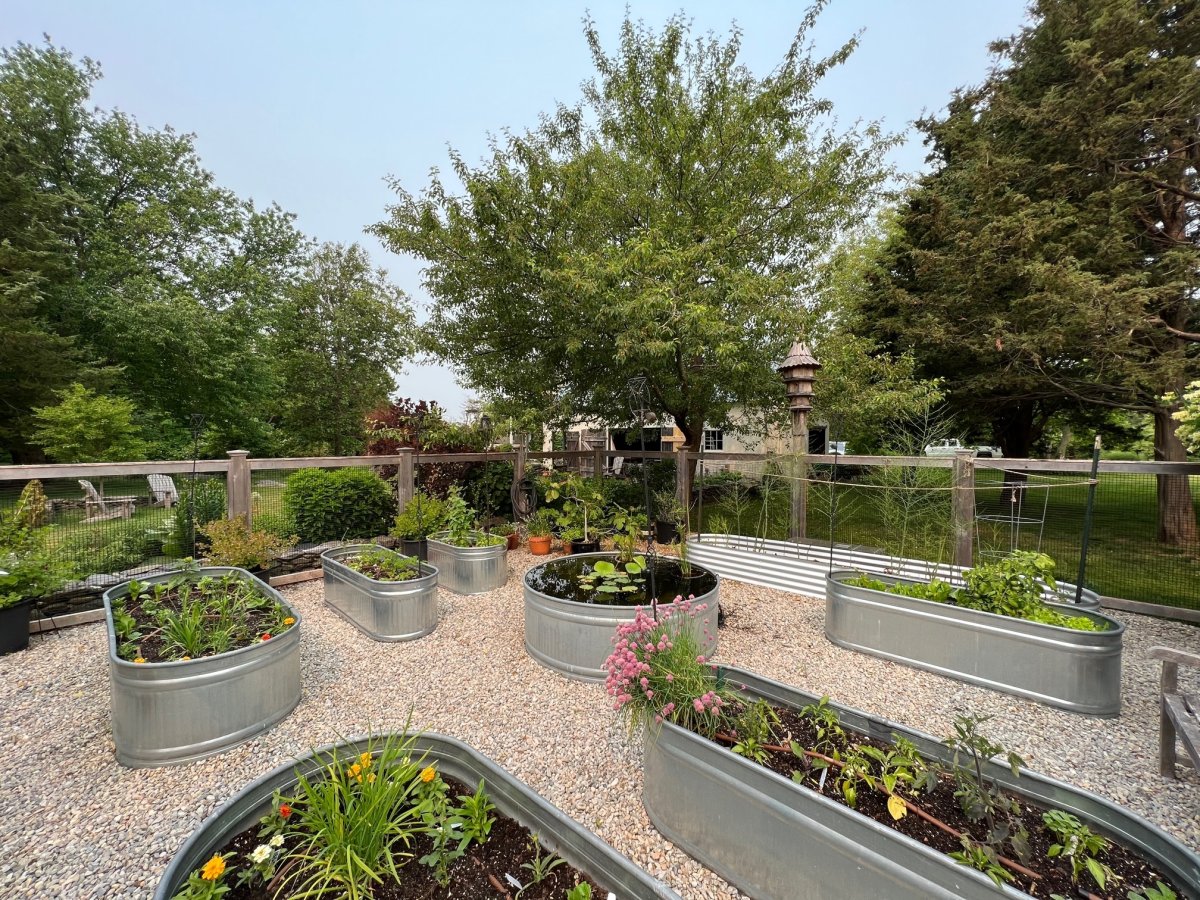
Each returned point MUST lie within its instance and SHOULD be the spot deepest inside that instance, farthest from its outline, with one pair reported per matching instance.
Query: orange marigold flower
(428, 774)
(355, 770)
(289, 621)
(365, 759)
(214, 868)
(266, 635)
(284, 810)
(139, 659)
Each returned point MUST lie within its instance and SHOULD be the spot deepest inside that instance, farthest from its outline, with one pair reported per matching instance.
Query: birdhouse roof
(800, 355)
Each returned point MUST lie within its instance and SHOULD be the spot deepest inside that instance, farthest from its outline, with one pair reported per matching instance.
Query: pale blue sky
(311, 105)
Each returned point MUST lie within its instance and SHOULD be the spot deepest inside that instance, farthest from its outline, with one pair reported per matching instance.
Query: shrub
(112, 546)
(421, 517)
(231, 542)
(488, 488)
(31, 506)
(31, 569)
(209, 505)
(279, 524)
(337, 504)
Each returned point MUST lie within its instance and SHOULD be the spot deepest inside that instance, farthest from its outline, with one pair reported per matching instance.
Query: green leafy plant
(581, 891)
(199, 504)
(755, 727)
(614, 578)
(460, 524)
(1159, 892)
(1078, 844)
(824, 719)
(421, 517)
(383, 565)
(232, 542)
(207, 882)
(443, 824)
(977, 795)
(541, 523)
(338, 504)
(476, 814)
(583, 506)
(982, 857)
(541, 865)
(29, 569)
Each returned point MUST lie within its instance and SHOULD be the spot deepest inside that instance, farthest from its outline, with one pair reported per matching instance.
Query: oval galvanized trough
(176, 712)
(575, 638)
(1079, 671)
(469, 570)
(513, 797)
(801, 567)
(776, 840)
(383, 610)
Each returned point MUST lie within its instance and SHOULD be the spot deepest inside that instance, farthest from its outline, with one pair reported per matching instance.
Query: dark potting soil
(1132, 870)
(559, 578)
(477, 875)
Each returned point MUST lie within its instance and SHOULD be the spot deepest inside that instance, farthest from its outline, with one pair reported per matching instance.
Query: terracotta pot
(514, 541)
(539, 545)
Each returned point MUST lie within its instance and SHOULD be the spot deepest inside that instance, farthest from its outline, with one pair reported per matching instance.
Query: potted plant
(541, 531)
(366, 817)
(510, 531)
(28, 570)
(994, 630)
(386, 595)
(582, 510)
(668, 515)
(860, 805)
(200, 660)
(469, 561)
(421, 517)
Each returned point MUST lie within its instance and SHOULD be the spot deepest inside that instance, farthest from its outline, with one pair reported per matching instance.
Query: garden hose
(524, 498)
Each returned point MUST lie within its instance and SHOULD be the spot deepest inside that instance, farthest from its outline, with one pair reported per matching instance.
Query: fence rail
(1125, 560)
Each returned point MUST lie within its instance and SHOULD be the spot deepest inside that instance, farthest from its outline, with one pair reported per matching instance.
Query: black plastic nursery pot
(418, 548)
(14, 627)
(581, 546)
(665, 533)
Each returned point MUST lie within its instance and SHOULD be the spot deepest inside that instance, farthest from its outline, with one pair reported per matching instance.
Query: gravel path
(74, 824)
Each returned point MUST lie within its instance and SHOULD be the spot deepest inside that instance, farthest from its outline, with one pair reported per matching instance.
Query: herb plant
(1077, 843)
(382, 565)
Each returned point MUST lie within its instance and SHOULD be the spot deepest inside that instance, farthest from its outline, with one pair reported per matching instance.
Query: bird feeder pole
(798, 372)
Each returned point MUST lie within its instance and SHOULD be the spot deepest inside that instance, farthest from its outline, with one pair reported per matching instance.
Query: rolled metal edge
(275, 662)
(801, 567)
(580, 847)
(574, 638)
(722, 809)
(382, 610)
(1079, 671)
(469, 570)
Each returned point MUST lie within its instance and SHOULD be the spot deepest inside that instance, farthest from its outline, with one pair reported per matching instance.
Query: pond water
(559, 578)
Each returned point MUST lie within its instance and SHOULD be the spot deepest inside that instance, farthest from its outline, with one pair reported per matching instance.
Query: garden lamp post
(798, 372)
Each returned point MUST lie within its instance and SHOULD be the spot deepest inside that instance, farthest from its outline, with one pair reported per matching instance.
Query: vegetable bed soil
(480, 874)
(1044, 876)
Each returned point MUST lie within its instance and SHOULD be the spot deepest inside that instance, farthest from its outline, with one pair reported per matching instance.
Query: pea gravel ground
(74, 824)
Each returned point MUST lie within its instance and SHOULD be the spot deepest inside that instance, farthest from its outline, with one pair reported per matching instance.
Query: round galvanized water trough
(469, 570)
(556, 831)
(776, 840)
(175, 712)
(383, 610)
(1079, 671)
(574, 638)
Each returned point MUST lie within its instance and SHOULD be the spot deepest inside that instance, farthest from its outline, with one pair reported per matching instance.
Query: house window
(714, 439)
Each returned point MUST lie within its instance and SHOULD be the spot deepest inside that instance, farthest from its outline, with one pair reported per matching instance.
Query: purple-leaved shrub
(658, 671)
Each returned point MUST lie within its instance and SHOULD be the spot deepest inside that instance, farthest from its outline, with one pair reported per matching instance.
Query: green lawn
(1124, 557)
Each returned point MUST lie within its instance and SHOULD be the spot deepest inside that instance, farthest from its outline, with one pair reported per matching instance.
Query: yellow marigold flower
(371, 778)
(139, 659)
(365, 759)
(355, 770)
(214, 868)
(428, 774)
(185, 657)
(289, 621)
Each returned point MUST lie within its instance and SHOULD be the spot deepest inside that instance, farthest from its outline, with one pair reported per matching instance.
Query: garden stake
(1087, 520)
(912, 807)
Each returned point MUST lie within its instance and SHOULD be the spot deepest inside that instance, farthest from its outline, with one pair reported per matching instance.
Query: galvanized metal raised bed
(575, 638)
(514, 798)
(384, 610)
(801, 567)
(469, 570)
(776, 840)
(1079, 671)
(176, 712)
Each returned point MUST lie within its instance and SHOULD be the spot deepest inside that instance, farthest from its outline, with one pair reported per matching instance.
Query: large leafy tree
(666, 228)
(341, 333)
(1051, 260)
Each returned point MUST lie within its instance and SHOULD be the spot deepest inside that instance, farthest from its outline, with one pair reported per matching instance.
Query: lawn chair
(617, 463)
(162, 491)
(100, 509)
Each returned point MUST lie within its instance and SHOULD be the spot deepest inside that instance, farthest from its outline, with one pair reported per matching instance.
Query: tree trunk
(1064, 443)
(1176, 511)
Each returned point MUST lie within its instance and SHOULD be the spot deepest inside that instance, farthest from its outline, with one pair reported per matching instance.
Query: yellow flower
(428, 774)
(355, 770)
(289, 621)
(214, 868)
(138, 659)
(185, 657)
(371, 778)
(365, 759)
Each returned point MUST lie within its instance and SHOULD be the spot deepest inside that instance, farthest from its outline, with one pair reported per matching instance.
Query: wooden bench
(1180, 712)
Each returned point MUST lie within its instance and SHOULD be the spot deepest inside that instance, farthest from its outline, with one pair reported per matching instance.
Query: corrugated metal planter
(776, 840)
(575, 638)
(514, 798)
(469, 570)
(176, 712)
(1079, 671)
(802, 567)
(384, 610)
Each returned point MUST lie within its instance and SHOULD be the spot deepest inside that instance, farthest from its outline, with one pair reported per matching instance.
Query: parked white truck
(950, 446)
